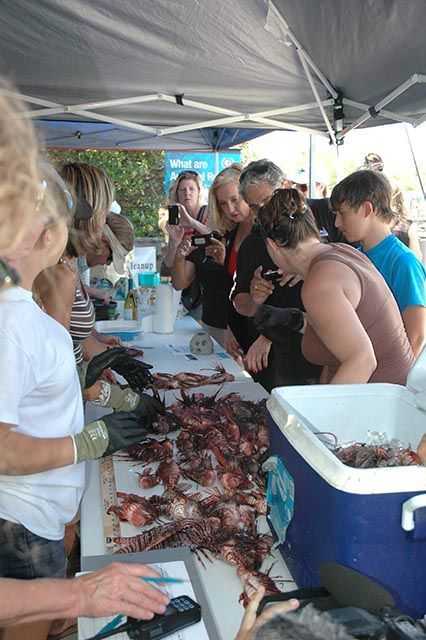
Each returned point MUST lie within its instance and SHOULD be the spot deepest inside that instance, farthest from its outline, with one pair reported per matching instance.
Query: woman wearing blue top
(362, 203)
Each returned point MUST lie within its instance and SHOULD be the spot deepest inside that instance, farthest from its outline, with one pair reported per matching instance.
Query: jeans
(24, 555)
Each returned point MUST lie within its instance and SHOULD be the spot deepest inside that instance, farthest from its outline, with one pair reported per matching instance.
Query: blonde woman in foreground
(118, 587)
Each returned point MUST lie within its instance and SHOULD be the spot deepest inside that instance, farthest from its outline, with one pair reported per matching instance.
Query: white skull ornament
(201, 344)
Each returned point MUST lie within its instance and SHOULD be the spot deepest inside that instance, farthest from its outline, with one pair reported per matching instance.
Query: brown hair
(365, 186)
(287, 219)
(93, 187)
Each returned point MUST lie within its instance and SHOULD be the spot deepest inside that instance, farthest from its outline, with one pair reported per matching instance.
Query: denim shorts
(25, 556)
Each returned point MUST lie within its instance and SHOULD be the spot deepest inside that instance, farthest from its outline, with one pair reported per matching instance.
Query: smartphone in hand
(271, 275)
(174, 215)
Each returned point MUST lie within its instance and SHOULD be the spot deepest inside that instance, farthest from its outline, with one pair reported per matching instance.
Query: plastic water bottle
(165, 308)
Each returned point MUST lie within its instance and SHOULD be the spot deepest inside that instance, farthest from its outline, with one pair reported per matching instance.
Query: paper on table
(88, 627)
(176, 350)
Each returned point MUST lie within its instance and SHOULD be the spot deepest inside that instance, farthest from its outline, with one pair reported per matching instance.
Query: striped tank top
(82, 320)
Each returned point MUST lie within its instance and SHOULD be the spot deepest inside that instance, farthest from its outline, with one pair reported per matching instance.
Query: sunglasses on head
(191, 173)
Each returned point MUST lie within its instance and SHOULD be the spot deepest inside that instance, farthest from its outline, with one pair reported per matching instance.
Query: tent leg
(311, 166)
(413, 156)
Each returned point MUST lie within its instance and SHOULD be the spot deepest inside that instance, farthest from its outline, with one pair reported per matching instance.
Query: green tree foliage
(138, 181)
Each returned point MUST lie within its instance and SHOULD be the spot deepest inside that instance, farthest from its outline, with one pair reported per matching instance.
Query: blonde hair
(93, 185)
(21, 191)
(398, 205)
(186, 175)
(215, 215)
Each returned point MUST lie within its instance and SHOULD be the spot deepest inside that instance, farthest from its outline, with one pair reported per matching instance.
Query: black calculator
(181, 612)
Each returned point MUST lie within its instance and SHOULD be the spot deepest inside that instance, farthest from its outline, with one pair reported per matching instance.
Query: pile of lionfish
(369, 456)
(187, 380)
(218, 444)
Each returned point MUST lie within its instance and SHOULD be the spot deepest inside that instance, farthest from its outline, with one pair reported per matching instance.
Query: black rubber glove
(148, 409)
(134, 371)
(106, 436)
(270, 321)
(99, 363)
(124, 429)
(117, 430)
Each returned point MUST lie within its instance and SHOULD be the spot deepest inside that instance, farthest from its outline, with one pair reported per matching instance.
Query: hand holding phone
(201, 240)
(260, 289)
(174, 214)
(272, 275)
(250, 622)
(216, 250)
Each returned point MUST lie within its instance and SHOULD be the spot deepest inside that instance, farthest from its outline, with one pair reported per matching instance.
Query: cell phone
(181, 612)
(272, 275)
(201, 241)
(174, 215)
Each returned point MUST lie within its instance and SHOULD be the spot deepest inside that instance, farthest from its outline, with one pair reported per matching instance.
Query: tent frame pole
(200, 125)
(327, 84)
(413, 156)
(302, 107)
(200, 105)
(30, 99)
(88, 106)
(259, 117)
(278, 124)
(121, 123)
(388, 114)
(317, 96)
(375, 109)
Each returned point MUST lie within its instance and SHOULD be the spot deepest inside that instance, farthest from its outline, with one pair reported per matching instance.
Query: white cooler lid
(416, 380)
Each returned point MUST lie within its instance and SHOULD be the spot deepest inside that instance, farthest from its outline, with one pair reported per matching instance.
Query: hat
(115, 207)
(119, 234)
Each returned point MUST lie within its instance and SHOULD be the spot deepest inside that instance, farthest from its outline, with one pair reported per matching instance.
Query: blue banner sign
(207, 165)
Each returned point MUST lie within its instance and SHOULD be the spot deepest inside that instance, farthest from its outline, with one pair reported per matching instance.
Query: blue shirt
(404, 273)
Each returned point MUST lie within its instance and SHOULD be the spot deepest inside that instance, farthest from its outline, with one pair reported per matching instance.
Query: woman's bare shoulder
(322, 276)
(58, 277)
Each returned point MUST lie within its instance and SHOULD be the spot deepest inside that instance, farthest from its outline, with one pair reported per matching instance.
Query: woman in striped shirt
(60, 288)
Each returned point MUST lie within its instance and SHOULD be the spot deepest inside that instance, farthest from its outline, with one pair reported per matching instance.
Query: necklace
(67, 263)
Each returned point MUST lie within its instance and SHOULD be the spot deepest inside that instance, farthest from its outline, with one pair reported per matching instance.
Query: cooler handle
(408, 509)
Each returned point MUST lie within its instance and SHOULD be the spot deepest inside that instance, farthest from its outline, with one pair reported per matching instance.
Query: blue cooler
(370, 520)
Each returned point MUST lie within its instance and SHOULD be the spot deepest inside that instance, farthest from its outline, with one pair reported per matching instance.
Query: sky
(290, 151)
